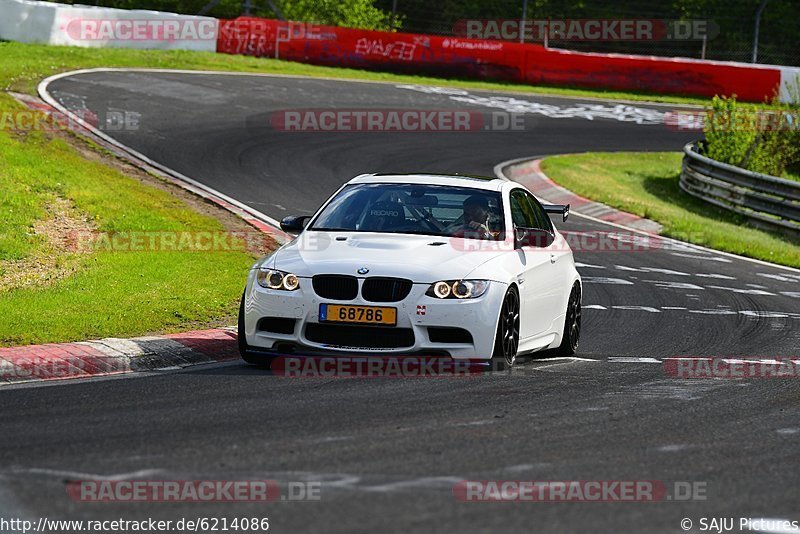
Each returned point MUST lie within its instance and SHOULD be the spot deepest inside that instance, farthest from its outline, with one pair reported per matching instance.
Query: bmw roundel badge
(363, 270)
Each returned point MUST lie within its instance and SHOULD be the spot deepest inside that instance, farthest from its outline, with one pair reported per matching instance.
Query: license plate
(337, 313)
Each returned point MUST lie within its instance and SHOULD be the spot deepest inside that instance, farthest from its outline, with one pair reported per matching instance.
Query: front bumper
(418, 318)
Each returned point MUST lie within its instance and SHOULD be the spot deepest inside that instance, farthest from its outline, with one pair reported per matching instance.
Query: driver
(475, 220)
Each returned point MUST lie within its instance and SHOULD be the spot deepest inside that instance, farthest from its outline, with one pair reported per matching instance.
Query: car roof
(455, 180)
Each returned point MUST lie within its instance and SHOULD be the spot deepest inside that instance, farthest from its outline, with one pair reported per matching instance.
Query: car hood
(422, 259)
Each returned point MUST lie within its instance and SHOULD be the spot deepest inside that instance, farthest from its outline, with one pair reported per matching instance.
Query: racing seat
(384, 217)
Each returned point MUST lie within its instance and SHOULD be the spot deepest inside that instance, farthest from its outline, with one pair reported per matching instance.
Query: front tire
(572, 323)
(506, 341)
(244, 349)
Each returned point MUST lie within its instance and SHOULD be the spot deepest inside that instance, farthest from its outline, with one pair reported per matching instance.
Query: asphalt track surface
(388, 451)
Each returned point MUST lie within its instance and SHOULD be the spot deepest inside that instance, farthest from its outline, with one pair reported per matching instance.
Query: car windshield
(414, 209)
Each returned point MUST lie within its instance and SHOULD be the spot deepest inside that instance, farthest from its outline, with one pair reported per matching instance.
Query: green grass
(22, 66)
(126, 294)
(646, 184)
(104, 293)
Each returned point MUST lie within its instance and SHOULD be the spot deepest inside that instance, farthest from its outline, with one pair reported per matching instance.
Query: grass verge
(22, 66)
(58, 283)
(646, 184)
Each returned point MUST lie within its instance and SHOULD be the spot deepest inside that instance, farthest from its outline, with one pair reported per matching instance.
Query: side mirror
(532, 237)
(562, 209)
(294, 224)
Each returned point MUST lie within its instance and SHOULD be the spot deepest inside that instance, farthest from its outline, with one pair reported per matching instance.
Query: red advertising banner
(679, 76)
(492, 59)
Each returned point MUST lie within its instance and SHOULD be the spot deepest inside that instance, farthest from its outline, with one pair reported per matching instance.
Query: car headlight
(458, 289)
(280, 280)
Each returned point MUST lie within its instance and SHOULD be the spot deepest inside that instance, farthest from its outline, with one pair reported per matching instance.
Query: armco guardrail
(769, 202)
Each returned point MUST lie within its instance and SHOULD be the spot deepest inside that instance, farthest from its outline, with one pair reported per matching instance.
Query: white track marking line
(521, 468)
(559, 361)
(422, 482)
(637, 308)
(714, 275)
(88, 476)
(651, 270)
(571, 358)
(673, 448)
(476, 423)
(778, 277)
(721, 310)
(706, 258)
(626, 359)
(631, 269)
(663, 284)
(765, 314)
(743, 291)
(622, 113)
(604, 280)
(666, 271)
(447, 91)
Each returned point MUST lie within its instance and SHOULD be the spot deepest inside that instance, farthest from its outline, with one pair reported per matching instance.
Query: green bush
(348, 13)
(762, 138)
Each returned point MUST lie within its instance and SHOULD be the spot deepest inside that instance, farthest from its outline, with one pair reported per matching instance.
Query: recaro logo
(384, 213)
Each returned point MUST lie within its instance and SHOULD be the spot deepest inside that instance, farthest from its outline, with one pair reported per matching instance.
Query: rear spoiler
(563, 209)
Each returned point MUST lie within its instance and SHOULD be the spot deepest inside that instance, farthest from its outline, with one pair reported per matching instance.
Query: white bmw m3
(466, 267)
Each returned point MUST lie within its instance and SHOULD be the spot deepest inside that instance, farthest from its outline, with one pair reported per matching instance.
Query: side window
(519, 207)
(521, 212)
(542, 220)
